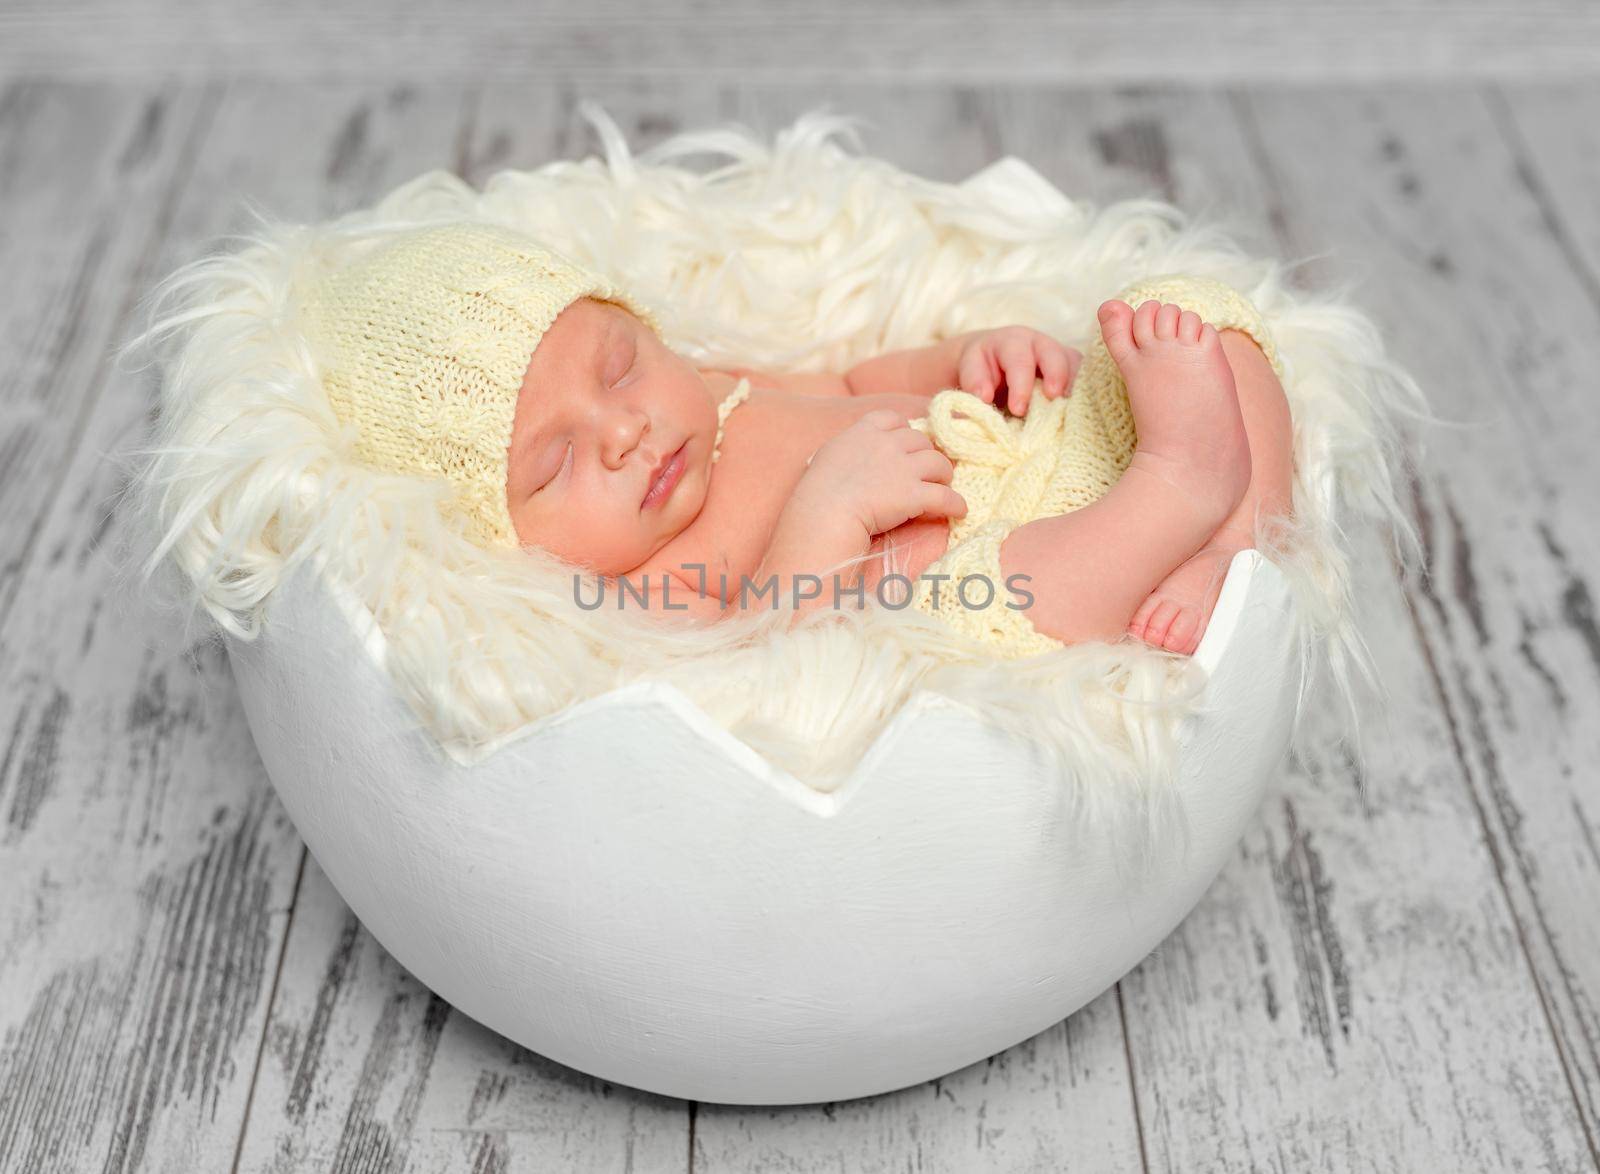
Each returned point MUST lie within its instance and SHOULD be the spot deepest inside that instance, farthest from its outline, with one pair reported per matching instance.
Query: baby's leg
(1174, 616)
(1091, 569)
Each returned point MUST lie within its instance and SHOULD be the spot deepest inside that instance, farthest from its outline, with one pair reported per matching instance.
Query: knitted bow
(1003, 465)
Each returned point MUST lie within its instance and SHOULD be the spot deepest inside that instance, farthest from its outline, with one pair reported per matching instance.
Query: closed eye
(564, 462)
(633, 363)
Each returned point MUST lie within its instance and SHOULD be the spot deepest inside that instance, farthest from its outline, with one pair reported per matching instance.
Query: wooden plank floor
(1396, 972)
(952, 42)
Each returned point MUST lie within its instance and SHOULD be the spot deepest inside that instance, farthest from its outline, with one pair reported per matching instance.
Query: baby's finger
(1056, 365)
(975, 374)
(942, 502)
(933, 465)
(1021, 370)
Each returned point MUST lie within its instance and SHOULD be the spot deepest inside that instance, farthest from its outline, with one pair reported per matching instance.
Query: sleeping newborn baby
(1113, 491)
(616, 472)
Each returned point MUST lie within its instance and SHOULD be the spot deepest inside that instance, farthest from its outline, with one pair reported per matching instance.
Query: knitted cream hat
(423, 343)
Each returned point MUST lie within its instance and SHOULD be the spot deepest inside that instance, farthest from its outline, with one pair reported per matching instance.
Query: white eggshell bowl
(628, 889)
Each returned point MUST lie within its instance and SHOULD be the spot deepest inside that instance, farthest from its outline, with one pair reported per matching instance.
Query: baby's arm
(809, 539)
(978, 362)
(925, 370)
(876, 474)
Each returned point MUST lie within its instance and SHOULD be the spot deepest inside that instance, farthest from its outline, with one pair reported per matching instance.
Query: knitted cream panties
(1065, 453)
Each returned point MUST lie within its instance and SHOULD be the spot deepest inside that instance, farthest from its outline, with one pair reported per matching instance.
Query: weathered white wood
(1551, 132)
(890, 41)
(84, 170)
(149, 870)
(1361, 963)
(146, 865)
(1282, 1026)
(366, 1069)
(1485, 282)
(528, 123)
(1060, 1101)
(944, 133)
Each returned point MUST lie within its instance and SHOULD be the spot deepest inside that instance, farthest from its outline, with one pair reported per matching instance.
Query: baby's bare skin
(1147, 550)
(765, 446)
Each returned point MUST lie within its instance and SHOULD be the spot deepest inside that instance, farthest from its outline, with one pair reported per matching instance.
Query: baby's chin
(628, 559)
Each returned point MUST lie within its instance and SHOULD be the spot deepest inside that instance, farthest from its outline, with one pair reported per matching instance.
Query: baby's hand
(884, 472)
(1019, 354)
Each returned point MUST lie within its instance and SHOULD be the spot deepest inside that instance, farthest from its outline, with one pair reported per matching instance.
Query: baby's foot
(1185, 405)
(1174, 616)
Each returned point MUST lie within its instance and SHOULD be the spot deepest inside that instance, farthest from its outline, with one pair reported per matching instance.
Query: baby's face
(603, 406)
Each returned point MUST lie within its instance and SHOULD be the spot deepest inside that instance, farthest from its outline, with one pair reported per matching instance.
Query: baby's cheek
(624, 542)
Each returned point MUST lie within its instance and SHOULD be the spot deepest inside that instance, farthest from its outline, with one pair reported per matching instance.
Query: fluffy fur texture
(801, 255)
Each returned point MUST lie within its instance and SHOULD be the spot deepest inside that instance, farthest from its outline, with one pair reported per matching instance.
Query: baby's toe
(1144, 322)
(1141, 618)
(1189, 324)
(1167, 321)
(1116, 326)
(1180, 635)
(1155, 631)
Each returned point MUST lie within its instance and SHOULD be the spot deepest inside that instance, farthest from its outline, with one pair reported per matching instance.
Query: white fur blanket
(800, 255)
